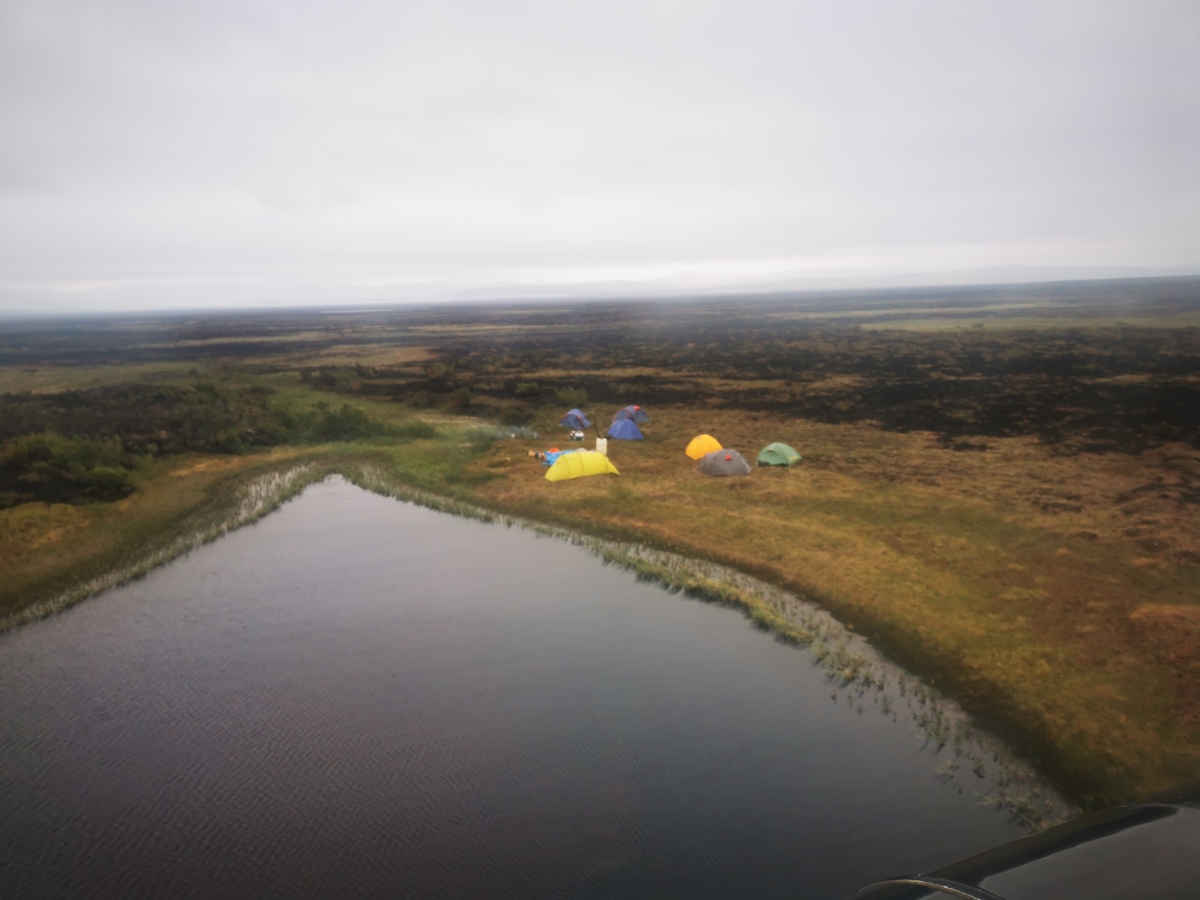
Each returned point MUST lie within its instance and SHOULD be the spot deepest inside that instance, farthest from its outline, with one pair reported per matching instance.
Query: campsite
(600, 450)
(1021, 529)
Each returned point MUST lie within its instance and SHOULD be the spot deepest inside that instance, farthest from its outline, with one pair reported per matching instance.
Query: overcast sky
(237, 152)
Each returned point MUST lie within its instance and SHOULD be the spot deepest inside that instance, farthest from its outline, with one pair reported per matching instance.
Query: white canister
(602, 445)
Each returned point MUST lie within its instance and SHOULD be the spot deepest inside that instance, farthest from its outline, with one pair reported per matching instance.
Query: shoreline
(859, 673)
(261, 496)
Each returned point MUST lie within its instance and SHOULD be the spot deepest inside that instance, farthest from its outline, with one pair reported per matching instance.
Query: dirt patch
(208, 465)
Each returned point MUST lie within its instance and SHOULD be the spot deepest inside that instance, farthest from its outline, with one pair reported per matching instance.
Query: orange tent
(701, 444)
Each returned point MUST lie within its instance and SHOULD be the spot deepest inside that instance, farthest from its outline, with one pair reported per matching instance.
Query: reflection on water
(357, 697)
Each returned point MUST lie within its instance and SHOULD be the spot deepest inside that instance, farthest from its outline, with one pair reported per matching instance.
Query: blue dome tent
(636, 413)
(575, 419)
(625, 430)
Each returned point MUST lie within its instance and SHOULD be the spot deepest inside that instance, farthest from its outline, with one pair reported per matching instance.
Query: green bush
(228, 441)
(571, 397)
(57, 469)
(346, 424)
(414, 431)
(110, 480)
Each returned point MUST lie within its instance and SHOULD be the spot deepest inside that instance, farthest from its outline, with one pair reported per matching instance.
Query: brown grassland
(1000, 487)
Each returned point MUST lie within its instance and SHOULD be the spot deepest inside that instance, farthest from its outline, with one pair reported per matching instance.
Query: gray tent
(723, 462)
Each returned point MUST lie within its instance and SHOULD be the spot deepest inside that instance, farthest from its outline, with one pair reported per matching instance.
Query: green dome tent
(778, 454)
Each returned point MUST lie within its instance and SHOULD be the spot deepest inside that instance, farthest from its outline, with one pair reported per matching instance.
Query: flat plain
(1000, 485)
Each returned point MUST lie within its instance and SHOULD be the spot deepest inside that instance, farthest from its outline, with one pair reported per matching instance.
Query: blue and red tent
(575, 419)
(636, 413)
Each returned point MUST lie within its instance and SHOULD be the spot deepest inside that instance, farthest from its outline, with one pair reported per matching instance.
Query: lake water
(360, 697)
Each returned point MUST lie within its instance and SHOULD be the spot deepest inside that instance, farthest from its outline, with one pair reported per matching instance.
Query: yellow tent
(578, 464)
(702, 444)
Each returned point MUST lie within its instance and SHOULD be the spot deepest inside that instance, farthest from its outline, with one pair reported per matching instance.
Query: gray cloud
(241, 152)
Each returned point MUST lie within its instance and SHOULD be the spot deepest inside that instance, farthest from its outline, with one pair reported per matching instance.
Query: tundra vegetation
(1000, 487)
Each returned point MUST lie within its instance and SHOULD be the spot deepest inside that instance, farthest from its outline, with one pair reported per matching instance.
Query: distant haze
(188, 154)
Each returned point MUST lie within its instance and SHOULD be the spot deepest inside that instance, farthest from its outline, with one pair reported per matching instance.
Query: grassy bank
(1009, 579)
(244, 490)
(1032, 628)
(1013, 513)
(57, 554)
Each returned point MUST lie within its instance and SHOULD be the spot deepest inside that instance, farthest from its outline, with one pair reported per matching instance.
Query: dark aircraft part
(1148, 850)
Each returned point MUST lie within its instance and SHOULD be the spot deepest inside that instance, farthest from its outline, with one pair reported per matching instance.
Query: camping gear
(579, 463)
(602, 446)
(701, 444)
(577, 435)
(575, 420)
(625, 430)
(778, 454)
(723, 462)
(554, 453)
(636, 413)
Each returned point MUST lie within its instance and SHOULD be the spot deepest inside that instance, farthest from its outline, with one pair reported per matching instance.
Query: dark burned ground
(1121, 391)
(1090, 389)
(1051, 361)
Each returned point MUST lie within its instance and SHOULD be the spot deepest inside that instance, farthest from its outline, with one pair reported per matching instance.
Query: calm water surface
(358, 697)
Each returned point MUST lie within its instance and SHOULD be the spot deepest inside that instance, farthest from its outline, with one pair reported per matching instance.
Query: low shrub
(348, 423)
(56, 469)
